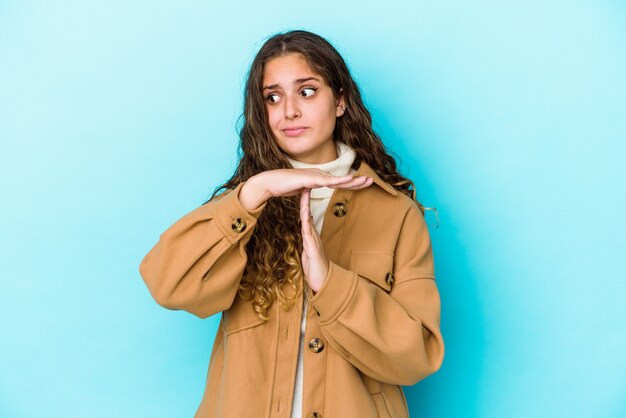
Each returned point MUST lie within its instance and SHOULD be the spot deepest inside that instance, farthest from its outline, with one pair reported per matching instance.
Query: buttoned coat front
(373, 326)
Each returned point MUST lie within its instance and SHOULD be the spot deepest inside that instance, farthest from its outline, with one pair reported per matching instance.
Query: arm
(197, 263)
(392, 337)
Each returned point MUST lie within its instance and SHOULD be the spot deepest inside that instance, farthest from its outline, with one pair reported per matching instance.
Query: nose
(291, 108)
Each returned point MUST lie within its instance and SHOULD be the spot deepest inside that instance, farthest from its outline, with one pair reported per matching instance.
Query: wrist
(253, 193)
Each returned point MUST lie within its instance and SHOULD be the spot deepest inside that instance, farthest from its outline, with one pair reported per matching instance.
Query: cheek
(273, 117)
(328, 109)
(326, 113)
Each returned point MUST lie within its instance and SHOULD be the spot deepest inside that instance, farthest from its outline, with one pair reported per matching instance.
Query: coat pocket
(374, 265)
(240, 316)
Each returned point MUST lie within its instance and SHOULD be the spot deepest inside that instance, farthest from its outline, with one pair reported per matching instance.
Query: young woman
(316, 253)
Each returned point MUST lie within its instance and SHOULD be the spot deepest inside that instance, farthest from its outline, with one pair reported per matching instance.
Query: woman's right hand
(289, 182)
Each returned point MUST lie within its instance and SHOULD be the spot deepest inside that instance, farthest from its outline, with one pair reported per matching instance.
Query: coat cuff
(335, 294)
(233, 219)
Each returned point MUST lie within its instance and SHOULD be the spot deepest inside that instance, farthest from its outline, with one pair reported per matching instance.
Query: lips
(295, 131)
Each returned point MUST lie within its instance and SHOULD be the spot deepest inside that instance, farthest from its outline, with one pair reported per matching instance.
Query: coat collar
(365, 170)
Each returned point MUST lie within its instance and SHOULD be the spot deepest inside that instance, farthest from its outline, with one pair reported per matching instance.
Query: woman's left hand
(314, 261)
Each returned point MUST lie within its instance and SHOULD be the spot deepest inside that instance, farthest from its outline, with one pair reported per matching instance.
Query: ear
(341, 104)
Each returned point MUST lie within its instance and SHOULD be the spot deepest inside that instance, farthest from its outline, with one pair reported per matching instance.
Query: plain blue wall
(117, 117)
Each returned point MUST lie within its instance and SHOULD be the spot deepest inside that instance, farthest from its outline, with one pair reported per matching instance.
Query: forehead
(286, 68)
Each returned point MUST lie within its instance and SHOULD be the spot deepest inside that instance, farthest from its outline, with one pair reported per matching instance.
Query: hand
(292, 181)
(314, 261)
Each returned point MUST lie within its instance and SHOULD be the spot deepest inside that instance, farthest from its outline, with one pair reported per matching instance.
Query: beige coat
(372, 327)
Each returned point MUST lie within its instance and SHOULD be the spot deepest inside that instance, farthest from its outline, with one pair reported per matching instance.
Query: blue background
(117, 117)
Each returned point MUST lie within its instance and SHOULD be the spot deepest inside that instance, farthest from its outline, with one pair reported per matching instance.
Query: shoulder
(382, 218)
(383, 195)
(387, 200)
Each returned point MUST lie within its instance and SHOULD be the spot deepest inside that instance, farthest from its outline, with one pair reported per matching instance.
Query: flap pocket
(240, 316)
(374, 265)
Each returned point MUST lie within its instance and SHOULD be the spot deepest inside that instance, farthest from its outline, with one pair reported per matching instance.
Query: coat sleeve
(198, 262)
(393, 337)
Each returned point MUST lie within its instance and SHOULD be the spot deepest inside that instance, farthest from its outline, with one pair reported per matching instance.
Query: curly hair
(275, 248)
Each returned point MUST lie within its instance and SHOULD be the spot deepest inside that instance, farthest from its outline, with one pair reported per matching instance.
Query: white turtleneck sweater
(318, 203)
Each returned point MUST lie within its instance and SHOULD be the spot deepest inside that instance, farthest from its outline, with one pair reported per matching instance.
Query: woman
(316, 253)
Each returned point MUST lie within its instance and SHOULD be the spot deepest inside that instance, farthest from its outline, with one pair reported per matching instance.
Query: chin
(298, 145)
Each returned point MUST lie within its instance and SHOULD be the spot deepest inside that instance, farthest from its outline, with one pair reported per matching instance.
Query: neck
(321, 155)
(339, 166)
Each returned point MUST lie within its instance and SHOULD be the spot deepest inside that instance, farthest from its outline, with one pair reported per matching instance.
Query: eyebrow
(298, 81)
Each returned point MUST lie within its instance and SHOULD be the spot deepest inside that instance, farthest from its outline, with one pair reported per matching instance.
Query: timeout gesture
(290, 182)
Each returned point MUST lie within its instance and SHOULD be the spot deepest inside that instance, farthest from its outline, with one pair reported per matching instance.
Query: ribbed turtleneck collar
(339, 167)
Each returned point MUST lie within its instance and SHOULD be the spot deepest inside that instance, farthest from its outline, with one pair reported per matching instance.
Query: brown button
(239, 225)
(316, 345)
(389, 279)
(315, 415)
(340, 209)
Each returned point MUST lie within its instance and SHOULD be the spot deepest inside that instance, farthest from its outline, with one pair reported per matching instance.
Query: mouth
(295, 131)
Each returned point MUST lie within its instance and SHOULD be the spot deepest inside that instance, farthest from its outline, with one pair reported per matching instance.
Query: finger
(367, 183)
(304, 200)
(305, 212)
(309, 222)
(303, 205)
(357, 182)
(317, 240)
(310, 240)
(328, 181)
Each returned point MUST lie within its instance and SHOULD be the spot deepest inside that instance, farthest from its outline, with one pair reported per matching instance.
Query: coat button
(389, 279)
(316, 345)
(239, 225)
(315, 415)
(340, 209)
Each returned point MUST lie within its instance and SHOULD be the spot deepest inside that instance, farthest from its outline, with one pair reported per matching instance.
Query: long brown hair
(274, 249)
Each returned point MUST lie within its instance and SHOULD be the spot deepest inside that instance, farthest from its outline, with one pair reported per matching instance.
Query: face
(302, 109)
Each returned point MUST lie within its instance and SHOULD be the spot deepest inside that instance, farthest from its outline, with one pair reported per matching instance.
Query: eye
(311, 91)
(272, 98)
